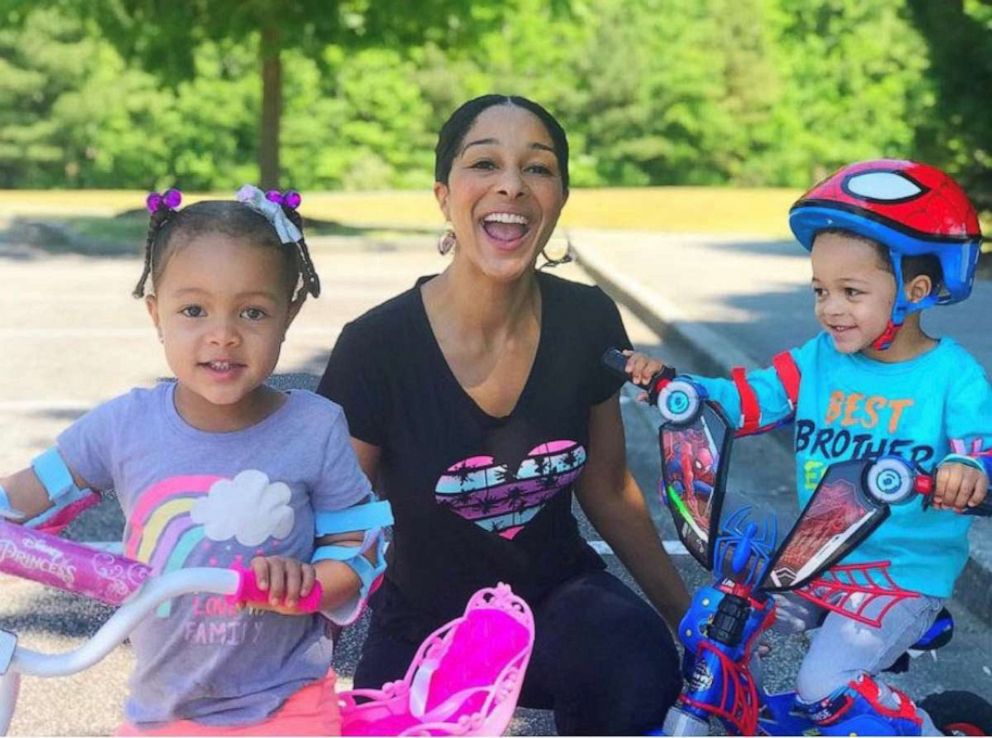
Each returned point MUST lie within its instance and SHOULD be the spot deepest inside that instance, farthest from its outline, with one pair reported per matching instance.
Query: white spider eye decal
(883, 186)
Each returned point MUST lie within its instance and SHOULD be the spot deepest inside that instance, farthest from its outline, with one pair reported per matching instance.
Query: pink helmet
(910, 208)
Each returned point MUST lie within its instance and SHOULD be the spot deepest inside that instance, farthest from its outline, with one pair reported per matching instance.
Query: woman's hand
(794, 614)
(286, 580)
(959, 486)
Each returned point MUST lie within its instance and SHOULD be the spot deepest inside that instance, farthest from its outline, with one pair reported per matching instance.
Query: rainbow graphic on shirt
(180, 515)
(161, 531)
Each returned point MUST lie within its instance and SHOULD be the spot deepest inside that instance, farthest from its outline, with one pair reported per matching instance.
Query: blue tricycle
(726, 618)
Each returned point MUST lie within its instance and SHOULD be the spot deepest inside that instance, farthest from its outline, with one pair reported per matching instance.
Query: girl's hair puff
(169, 230)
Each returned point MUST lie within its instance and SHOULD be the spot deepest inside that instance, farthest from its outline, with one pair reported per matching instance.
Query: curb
(717, 357)
(665, 318)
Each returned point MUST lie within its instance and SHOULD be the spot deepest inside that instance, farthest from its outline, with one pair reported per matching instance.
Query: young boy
(887, 239)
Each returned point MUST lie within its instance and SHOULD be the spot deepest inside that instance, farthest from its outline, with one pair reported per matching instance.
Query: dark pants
(603, 659)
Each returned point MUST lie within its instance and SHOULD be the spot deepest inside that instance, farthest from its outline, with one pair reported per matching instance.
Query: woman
(477, 405)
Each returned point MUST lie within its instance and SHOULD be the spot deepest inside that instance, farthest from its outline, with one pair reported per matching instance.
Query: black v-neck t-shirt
(476, 499)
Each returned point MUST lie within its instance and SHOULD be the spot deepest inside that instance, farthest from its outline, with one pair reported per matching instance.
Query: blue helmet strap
(902, 306)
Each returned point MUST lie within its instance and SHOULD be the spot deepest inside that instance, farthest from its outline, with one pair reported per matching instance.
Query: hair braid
(155, 223)
(311, 282)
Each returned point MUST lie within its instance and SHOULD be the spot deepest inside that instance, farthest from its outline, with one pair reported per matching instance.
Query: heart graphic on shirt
(503, 500)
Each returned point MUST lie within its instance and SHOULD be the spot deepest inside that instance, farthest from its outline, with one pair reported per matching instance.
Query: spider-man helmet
(912, 209)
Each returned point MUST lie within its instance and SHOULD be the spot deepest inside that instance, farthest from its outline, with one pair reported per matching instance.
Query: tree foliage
(747, 92)
(165, 37)
(958, 38)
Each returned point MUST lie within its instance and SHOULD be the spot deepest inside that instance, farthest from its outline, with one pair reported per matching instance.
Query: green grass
(129, 228)
(761, 212)
(752, 211)
(109, 224)
(681, 209)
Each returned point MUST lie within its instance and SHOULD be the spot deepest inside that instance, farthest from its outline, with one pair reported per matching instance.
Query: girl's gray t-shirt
(193, 498)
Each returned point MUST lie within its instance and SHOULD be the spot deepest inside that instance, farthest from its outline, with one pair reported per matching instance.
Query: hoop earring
(550, 263)
(446, 241)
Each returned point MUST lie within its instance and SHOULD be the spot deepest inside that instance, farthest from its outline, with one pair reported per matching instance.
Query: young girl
(887, 239)
(218, 469)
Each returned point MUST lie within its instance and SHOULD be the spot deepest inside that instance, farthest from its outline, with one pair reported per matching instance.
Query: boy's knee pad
(865, 707)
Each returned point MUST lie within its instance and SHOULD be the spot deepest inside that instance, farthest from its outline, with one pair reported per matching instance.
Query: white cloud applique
(247, 507)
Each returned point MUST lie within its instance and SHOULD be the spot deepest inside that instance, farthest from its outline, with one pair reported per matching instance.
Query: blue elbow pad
(54, 475)
(7, 512)
(370, 517)
(68, 500)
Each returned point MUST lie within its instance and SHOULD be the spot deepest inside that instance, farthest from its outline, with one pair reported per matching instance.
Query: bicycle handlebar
(133, 586)
(614, 360)
(922, 482)
(249, 593)
(925, 484)
(893, 480)
(238, 584)
(74, 567)
(155, 591)
(56, 562)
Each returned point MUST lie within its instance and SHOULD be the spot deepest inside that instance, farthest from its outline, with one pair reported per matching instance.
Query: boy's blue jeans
(843, 648)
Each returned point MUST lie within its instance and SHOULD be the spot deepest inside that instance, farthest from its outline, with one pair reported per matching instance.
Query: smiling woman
(504, 190)
(478, 406)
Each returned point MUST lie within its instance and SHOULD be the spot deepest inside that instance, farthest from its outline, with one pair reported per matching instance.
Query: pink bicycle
(464, 680)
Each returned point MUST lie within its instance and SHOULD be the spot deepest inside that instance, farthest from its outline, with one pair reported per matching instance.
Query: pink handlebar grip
(249, 592)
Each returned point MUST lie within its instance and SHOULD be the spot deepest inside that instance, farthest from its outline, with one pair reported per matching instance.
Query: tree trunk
(268, 142)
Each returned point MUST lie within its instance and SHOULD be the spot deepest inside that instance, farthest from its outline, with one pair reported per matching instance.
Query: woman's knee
(610, 659)
(598, 618)
(629, 695)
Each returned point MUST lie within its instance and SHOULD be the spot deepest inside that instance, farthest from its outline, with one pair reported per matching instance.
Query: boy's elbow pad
(370, 517)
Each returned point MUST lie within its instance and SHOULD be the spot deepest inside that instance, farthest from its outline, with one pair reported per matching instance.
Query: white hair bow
(254, 198)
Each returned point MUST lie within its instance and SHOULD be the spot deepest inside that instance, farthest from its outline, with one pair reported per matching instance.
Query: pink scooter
(464, 680)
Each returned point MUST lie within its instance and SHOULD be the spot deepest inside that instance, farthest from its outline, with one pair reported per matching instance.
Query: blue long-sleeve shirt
(849, 406)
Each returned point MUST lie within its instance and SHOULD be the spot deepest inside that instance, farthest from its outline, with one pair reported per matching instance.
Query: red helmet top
(917, 199)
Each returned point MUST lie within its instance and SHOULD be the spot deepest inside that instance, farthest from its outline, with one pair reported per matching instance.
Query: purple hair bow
(290, 198)
(169, 199)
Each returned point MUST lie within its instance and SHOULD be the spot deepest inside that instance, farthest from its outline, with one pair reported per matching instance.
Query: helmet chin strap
(903, 306)
(900, 310)
(887, 337)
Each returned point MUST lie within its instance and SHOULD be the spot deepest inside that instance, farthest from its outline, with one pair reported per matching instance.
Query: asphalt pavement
(71, 336)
